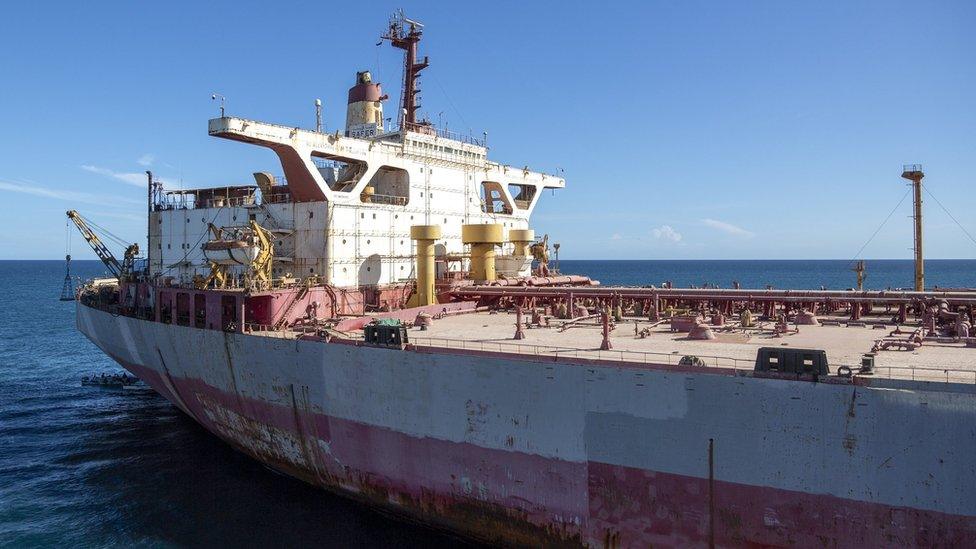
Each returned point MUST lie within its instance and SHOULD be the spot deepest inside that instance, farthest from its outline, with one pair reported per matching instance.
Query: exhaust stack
(364, 112)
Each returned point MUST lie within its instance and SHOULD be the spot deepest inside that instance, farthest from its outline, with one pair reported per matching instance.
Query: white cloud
(616, 236)
(59, 194)
(666, 232)
(136, 179)
(727, 228)
(146, 160)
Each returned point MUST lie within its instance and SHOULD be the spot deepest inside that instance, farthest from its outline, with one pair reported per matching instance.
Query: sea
(91, 467)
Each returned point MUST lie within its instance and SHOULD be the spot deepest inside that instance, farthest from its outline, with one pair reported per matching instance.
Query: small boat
(111, 381)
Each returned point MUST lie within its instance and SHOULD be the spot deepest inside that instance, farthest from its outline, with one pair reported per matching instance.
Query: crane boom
(119, 270)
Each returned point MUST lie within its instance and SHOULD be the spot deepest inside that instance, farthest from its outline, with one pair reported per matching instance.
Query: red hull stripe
(597, 503)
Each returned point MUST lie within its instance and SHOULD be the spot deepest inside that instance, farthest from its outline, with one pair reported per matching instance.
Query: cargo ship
(382, 321)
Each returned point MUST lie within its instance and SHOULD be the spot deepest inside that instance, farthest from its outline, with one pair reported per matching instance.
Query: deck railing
(427, 129)
(913, 373)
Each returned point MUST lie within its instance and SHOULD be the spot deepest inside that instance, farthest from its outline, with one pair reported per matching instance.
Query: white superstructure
(344, 208)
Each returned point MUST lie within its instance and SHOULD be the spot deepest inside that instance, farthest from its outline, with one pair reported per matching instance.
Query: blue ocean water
(91, 467)
(788, 273)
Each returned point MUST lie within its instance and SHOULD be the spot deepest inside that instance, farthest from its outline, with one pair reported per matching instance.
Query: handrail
(427, 129)
(913, 373)
(642, 357)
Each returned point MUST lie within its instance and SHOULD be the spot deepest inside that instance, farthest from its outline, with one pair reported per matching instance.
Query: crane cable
(883, 223)
(106, 233)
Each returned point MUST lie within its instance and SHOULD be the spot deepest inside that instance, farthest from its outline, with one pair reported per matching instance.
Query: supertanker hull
(528, 449)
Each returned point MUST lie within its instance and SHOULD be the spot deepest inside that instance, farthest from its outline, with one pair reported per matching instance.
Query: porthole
(367, 241)
(311, 270)
(343, 240)
(362, 216)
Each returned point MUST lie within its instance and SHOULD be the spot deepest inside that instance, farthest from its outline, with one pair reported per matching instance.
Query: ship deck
(734, 347)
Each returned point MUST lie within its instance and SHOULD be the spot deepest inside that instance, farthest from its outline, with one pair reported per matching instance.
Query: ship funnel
(425, 235)
(483, 238)
(364, 113)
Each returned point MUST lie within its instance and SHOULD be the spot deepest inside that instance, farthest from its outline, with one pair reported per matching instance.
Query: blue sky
(684, 129)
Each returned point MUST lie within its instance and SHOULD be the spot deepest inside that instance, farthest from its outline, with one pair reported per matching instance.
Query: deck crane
(121, 270)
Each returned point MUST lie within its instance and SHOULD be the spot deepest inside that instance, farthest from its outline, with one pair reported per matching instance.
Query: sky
(685, 130)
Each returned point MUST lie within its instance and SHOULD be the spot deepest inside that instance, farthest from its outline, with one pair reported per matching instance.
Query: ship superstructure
(343, 209)
(382, 321)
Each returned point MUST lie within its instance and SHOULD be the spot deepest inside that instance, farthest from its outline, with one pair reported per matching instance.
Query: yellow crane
(119, 270)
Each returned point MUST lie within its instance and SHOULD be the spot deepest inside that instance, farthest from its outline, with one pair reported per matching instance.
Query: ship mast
(407, 40)
(913, 173)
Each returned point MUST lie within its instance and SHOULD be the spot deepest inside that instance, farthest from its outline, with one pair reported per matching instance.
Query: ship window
(522, 194)
(340, 174)
(493, 199)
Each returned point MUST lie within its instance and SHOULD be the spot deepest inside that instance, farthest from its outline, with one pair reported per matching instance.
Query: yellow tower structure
(483, 238)
(913, 173)
(522, 239)
(425, 235)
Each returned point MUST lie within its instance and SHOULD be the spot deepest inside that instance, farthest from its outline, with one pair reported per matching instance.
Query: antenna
(318, 115)
(407, 40)
(214, 97)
